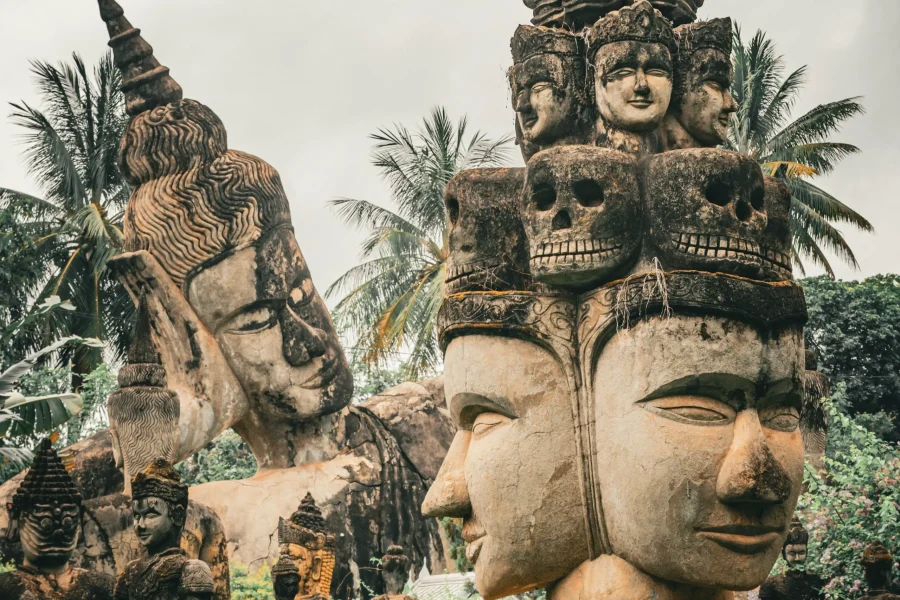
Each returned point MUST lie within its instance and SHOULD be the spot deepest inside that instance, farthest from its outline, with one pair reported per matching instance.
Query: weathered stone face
(705, 103)
(544, 99)
(776, 243)
(582, 214)
(49, 534)
(795, 554)
(157, 523)
(274, 329)
(633, 84)
(512, 404)
(706, 211)
(714, 406)
(488, 250)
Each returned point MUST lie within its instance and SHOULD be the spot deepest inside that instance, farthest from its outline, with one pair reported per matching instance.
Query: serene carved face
(795, 554)
(49, 533)
(706, 210)
(582, 214)
(699, 451)
(511, 473)
(487, 242)
(158, 525)
(633, 84)
(775, 246)
(275, 330)
(287, 586)
(543, 89)
(706, 103)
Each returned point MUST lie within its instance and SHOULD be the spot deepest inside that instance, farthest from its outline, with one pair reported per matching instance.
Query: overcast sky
(302, 83)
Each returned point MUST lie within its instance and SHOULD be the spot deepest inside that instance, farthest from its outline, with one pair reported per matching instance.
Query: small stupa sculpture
(796, 583)
(306, 541)
(47, 512)
(160, 502)
(395, 573)
(878, 564)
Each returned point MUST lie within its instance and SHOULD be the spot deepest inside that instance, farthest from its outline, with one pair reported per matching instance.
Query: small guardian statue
(160, 503)
(796, 583)
(395, 573)
(286, 579)
(878, 564)
(305, 541)
(47, 512)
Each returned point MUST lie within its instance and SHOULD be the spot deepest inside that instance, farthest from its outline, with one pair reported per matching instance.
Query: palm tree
(70, 149)
(393, 296)
(793, 150)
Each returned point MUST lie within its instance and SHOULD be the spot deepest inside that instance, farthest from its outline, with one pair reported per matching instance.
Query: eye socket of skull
(488, 250)
(582, 213)
(775, 247)
(706, 210)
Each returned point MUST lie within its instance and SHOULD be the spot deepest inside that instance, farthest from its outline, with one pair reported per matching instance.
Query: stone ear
(179, 515)
(316, 570)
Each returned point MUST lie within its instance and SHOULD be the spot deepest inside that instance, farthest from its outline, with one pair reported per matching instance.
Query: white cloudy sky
(302, 83)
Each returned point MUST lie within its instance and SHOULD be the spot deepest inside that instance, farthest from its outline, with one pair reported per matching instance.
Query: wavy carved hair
(194, 200)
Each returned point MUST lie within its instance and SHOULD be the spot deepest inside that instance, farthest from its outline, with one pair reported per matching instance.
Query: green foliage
(391, 299)
(71, 147)
(855, 503)
(795, 150)
(371, 381)
(226, 458)
(20, 272)
(855, 329)
(7, 567)
(452, 529)
(95, 389)
(251, 586)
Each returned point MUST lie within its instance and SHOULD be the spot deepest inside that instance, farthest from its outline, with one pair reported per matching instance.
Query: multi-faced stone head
(702, 103)
(878, 564)
(159, 506)
(775, 247)
(286, 579)
(710, 393)
(47, 511)
(488, 249)
(549, 91)
(706, 210)
(631, 53)
(582, 214)
(796, 545)
(310, 546)
(395, 570)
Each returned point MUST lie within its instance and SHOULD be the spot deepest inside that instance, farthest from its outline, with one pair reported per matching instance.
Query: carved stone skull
(488, 250)
(775, 246)
(705, 210)
(582, 214)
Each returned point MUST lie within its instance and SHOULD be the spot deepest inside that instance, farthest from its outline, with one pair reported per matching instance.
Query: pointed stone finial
(47, 482)
(146, 83)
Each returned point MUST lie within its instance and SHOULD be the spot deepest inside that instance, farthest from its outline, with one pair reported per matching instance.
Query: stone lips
(47, 482)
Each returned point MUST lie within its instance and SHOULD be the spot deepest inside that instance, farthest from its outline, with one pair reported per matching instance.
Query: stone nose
(561, 221)
(750, 472)
(448, 495)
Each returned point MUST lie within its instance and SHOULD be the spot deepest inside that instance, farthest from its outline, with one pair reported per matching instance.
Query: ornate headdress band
(797, 534)
(715, 34)
(638, 23)
(160, 480)
(530, 41)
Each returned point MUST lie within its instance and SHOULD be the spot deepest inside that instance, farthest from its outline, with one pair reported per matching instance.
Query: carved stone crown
(797, 534)
(715, 34)
(285, 566)
(47, 482)
(306, 527)
(533, 41)
(309, 515)
(546, 12)
(160, 480)
(638, 23)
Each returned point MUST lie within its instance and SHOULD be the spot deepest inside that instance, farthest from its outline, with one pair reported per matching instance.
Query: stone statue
(143, 414)
(47, 511)
(395, 572)
(878, 564)
(796, 583)
(549, 90)
(578, 14)
(285, 579)
(630, 51)
(488, 249)
(305, 540)
(160, 503)
(702, 104)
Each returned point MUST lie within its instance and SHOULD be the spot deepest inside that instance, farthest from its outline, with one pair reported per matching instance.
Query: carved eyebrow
(725, 387)
(465, 406)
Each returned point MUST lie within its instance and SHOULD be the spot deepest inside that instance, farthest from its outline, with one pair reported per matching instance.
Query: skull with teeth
(487, 242)
(706, 210)
(775, 246)
(582, 213)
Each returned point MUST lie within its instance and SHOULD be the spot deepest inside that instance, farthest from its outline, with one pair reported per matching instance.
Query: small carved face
(287, 586)
(512, 404)
(544, 98)
(706, 210)
(156, 523)
(775, 247)
(795, 554)
(582, 214)
(275, 330)
(633, 84)
(49, 533)
(714, 407)
(488, 250)
(706, 101)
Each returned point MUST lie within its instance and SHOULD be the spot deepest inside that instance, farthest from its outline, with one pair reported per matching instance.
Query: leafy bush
(856, 502)
(251, 586)
(226, 458)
